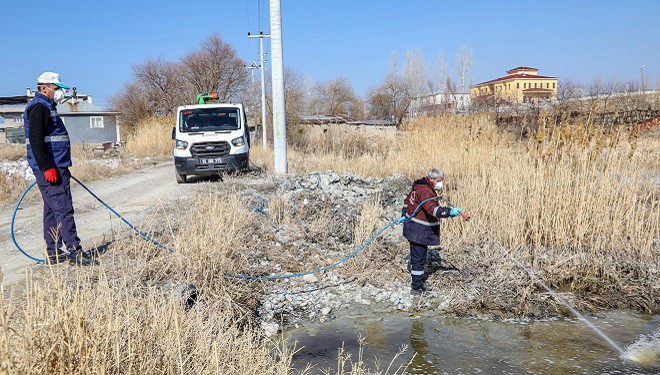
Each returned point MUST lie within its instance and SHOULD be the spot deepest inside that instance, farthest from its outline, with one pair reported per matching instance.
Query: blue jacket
(55, 144)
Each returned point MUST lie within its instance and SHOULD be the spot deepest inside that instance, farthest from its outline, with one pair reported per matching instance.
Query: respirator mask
(59, 95)
(438, 186)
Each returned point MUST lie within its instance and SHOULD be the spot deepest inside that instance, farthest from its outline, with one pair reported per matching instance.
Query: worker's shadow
(440, 266)
(98, 250)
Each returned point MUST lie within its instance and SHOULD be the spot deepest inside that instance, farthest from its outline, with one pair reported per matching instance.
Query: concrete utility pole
(279, 120)
(261, 37)
(251, 68)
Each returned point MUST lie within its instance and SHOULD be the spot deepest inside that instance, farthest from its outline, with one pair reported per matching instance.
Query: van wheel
(181, 178)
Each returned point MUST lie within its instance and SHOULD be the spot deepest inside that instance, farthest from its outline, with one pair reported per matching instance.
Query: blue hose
(138, 231)
(13, 218)
(259, 208)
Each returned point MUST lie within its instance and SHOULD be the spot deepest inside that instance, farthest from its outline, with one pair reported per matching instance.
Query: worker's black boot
(79, 259)
(423, 290)
(58, 257)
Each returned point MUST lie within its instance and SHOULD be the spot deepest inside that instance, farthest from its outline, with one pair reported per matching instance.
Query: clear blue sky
(95, 44)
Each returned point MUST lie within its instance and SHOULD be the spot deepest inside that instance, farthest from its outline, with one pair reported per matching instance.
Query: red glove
(51, 175)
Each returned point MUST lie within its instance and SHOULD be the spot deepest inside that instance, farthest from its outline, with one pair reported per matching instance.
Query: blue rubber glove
(455, 212)
(401, 219)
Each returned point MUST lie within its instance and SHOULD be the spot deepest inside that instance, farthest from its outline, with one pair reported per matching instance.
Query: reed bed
(573, 200)
(151, 137)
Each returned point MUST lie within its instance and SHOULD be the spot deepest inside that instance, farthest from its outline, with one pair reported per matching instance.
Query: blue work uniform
(48, 146)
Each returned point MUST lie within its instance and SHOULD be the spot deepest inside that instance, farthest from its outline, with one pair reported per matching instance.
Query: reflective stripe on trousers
(417, 261)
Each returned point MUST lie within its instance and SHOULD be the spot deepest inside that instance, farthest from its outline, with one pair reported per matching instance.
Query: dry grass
(571, 200)
(151, 138)
(11, 187)
(124, 316)
(12, 151)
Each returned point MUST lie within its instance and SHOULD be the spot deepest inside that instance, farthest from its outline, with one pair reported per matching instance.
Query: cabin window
(96, 122)
(518, 85)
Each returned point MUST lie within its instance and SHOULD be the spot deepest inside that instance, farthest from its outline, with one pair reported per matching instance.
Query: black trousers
(417, 262)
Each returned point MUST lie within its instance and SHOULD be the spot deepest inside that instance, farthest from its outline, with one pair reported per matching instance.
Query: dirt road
(132, 195)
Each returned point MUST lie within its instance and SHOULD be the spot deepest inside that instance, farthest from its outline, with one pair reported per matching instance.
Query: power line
(247, 15)
(262, 61)
(259, 13)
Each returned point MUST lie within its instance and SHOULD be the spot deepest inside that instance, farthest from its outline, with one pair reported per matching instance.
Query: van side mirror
(173, 132)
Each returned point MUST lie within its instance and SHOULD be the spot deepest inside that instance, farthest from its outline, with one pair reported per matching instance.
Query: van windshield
(209, 119)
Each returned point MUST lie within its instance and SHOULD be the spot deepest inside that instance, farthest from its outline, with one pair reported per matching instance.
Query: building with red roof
(521, 84)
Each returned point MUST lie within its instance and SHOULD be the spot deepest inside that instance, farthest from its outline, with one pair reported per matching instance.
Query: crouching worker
(423, 229)
(49, 156)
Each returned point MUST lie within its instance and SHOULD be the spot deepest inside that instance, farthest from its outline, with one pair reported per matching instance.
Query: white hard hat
(50, 77)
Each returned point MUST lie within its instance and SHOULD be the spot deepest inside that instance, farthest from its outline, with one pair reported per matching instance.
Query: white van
(210, 138)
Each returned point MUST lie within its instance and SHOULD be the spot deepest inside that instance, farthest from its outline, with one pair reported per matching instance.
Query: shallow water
(446, 345)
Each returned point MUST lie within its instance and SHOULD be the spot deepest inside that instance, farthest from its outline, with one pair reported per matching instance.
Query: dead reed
(12, 151)
(151, 137)
(574, 200)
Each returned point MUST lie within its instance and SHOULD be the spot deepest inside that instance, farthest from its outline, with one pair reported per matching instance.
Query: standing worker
(49, 156)
(423, 229)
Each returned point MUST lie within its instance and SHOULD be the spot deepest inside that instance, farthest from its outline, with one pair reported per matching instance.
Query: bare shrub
(159, 86)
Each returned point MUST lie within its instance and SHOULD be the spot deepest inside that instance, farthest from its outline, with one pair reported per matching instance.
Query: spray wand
(463, 214)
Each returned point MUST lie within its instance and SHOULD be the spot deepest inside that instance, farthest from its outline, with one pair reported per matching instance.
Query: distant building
(521, 84)
(442, 102)
(85, 121)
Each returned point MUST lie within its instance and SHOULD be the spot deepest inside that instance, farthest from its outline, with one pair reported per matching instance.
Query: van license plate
(210, 161)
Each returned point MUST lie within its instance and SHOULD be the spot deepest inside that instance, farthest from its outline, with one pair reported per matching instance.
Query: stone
(270, 329)
(326, 310)
(310, 278)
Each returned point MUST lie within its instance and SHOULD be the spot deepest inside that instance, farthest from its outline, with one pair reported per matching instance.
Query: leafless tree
(294, 95)
(336, 97)
(132, 101)
(393, 97)
(413, 77)
(463, 65)
(569, 93)
(215, 67)
(450, 93)
(379, 103)
(164, 85)
(440, 72)
(600, 92)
